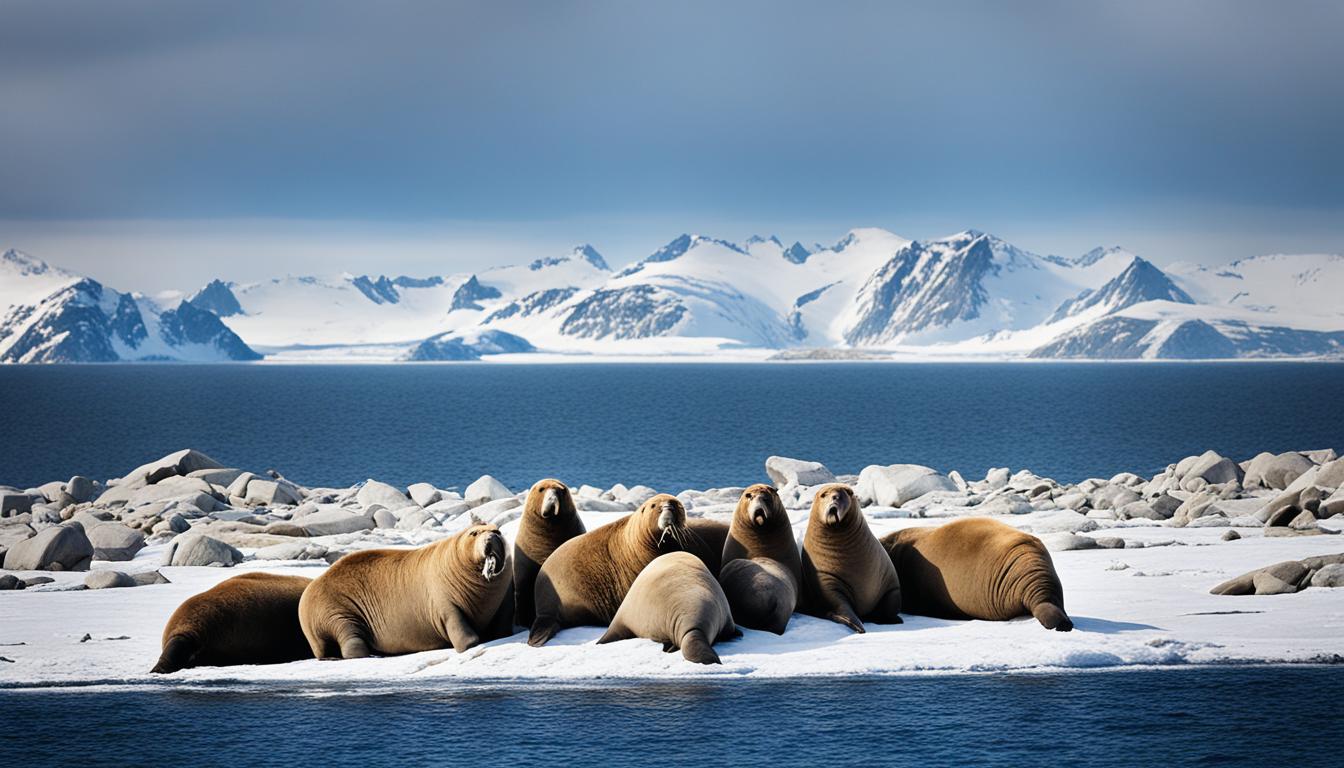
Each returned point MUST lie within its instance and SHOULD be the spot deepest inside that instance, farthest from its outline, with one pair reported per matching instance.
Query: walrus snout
(837, 508)
(760, 512)
(493, 562)
(550, 504)
(669, 517)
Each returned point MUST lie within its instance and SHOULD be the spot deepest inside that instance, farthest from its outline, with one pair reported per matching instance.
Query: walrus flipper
(543, 629)
(458, 630)
(1053, 617)
(836, 606)
(888, 609)
(696, 648)
(178, 653)
(616, 632)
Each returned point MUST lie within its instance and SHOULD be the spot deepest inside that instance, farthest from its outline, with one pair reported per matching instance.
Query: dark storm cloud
(496, 111)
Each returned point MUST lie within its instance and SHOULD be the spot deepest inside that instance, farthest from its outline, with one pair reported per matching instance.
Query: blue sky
(157, 144)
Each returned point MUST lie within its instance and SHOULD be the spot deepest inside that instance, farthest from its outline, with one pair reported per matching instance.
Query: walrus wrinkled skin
(549, 520)
(977, 568)
(676, 601)
(847, 575)
(762, 570)
(252, 618)
(585, 579)
(454, 592)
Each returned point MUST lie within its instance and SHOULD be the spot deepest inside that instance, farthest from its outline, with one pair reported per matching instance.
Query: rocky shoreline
(212, 515)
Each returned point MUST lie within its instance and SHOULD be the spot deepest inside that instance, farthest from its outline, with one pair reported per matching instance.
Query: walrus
(252, 618)
(676, 601)
(847, 574)
(454, 592)
(706, 541)
(762, 570)
(977, 568)
(586, 578)
(549, 520)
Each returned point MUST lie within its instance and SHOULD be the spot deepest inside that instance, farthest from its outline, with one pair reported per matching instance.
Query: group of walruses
(654, 574)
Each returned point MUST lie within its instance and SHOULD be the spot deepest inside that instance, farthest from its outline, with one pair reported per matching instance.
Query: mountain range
(970, 295)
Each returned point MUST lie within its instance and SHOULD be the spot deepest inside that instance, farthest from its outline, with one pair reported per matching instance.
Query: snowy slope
(26, 280)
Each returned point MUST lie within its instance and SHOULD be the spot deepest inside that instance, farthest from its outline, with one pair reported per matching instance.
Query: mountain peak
(583, 252)
(797, 253)
(1097, 254)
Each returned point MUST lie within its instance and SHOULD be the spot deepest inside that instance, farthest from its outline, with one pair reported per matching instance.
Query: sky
(160, 144)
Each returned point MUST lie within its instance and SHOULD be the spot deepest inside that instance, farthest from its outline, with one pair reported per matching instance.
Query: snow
(1133, 607)
(26, 280)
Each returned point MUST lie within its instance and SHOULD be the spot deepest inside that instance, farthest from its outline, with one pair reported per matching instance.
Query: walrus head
(486, 547)
(549, 500)
(760, 507)
(834, 505)
(664, 517)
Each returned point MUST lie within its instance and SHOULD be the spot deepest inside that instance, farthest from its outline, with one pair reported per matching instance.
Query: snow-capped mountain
(82, 321)
(965, 295)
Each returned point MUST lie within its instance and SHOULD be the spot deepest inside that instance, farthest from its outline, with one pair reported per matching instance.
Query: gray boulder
(114, 541)
(80, 488)
(181, 462)
(196, 549)
(330, 522)
(785, 471)
(997, 477)
(424, 494)
(1138, 510)
(1065, 542)
(1213, 469)
(384, 518)
(58, 548)
(636, 495)
(223, 476)
(375, 492)
(1231, 536)
(1112, 496)
(500, 511)
(14, 503)
(1276, 472)
(270, 493)
(297, 550)
(10, 581)
(896, 484)
(1193, 508)
(238, 486)
(1331, 474)
(108, 580)
(419, 518)
(1280, 578)
(486, 488)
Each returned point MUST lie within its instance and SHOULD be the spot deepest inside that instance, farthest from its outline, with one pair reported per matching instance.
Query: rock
(238, 487)
(1062, 520)
(1209, 521)
(486, 488)
(1110, 542)
(224, 476)
(80, 488)
(785, 471)
(10, 581)
(424, 494)
(958, 480)
(114, 541)
(270, 493)
(896, 484)
(1331, 474)
(170, 488)
(383, 518)
(447, 509)
(997, 478)
(1231, 536)
(108, 580)
(333, 521)
(200, 550)
(1276, 472)
(1212, 468)
(13, 533)
(298, 550)
(419, 518)
(1193, 508)
(14, 503)
(586, 504)
(376, 492)
(1114, 497)
(1333, 505)
(1138, 509)
(1074, 500)
(1065, 542)
(147, 578)
(1283, 578)
(178, 463)
(500, 511)
(37, 581)
(62, 547)
(636, 495)
(174, 523)
(1321, 455)
(1011, 504)
(1286, 531)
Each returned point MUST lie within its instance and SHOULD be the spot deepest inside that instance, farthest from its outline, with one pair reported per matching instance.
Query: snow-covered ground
(1143, 605)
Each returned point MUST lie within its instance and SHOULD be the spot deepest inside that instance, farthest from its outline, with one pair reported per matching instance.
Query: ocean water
(1228, 716)
(671, 426)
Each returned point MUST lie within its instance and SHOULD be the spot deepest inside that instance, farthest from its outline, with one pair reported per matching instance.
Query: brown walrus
(252, 618)
(977, 568)
(390, 601)
(847, 574)
(676, 601)
(586, 578)
(762, 570)
(706, 541)
(549, 520)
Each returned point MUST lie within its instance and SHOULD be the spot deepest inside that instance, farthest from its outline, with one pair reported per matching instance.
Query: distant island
(872, 296)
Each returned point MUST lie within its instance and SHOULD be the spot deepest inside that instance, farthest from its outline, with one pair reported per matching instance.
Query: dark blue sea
(671, 426)
(1229, 716)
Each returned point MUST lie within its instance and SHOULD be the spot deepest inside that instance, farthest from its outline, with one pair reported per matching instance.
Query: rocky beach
(1194, 565)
